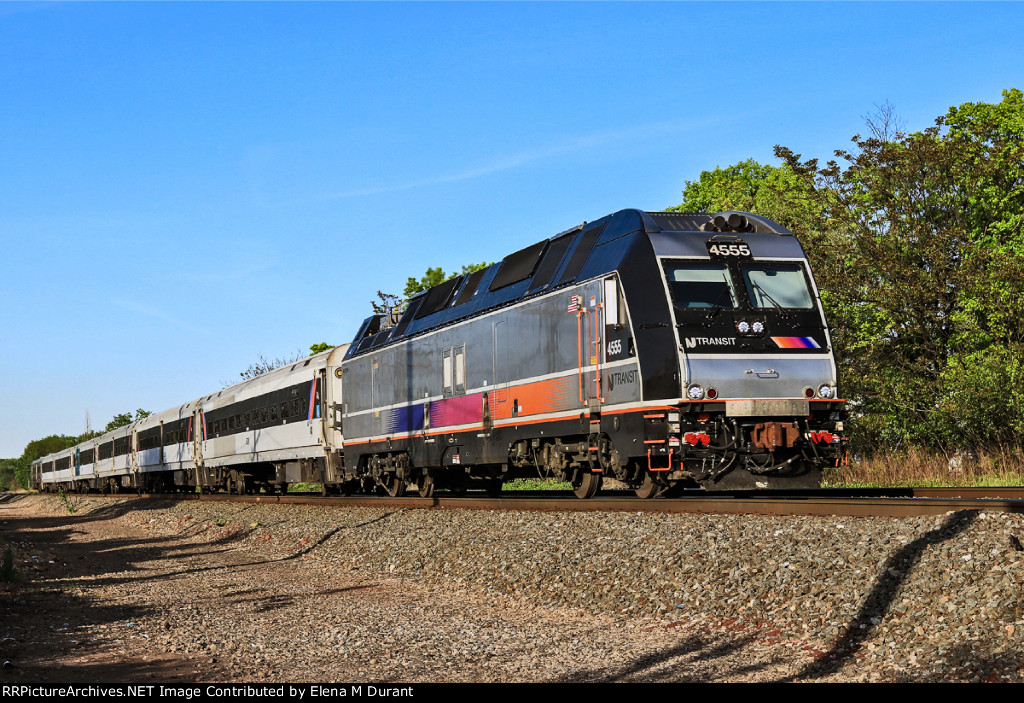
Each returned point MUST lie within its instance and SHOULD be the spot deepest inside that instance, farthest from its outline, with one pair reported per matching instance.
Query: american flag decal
(574, 304)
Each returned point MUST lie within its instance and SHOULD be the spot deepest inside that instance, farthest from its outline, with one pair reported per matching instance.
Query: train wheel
(425, 485)
(241, 485)
(587, 484)
(492, 487)
(394, 487)
(649, 488)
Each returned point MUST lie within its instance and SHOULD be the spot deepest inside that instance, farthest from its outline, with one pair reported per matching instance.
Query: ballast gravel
(143, 591)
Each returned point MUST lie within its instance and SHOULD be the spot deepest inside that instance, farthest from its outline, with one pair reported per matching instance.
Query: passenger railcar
(664, 350)
(262, 433)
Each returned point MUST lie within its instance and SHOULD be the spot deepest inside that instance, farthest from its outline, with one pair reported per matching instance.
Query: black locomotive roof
(578, 254)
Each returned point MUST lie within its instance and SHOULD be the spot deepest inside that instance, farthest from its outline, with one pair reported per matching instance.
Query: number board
(736, 248)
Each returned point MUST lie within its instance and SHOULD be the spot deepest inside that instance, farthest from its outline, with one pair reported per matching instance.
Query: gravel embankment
(230, 592)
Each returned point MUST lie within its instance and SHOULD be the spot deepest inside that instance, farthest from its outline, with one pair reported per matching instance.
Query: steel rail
(816, 505)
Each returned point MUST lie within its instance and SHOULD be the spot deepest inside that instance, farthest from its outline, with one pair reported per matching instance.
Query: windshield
(700, 285)
(772, 285)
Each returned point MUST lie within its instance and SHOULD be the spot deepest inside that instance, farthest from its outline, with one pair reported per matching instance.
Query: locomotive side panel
(460, 396)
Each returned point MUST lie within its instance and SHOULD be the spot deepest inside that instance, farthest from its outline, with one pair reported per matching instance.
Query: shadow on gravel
(154, 671)
(109, 562)
(660, 667)
(879, 600)
(50, 616)
(276, 601)
(58, 530)
(114, 509)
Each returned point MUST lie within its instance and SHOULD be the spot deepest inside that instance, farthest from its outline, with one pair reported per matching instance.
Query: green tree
(123, 419)
(264, 365)
(776, 192)
(8, 474)
(387, 303)
(437, 276)
(39, 448)
(917, 242)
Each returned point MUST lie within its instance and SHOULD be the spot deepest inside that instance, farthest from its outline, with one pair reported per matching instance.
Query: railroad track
(903, 502)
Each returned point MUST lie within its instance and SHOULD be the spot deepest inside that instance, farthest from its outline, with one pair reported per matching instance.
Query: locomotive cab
(757, 380)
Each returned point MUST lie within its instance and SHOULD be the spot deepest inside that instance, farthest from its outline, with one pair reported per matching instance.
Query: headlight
(695, 392)
(824, 391)
(743, 326)
(758, 327)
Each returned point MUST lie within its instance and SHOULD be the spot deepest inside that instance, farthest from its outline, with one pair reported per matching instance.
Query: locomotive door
(335, 399)
(382, 372)
(589, 342)
(498, 403)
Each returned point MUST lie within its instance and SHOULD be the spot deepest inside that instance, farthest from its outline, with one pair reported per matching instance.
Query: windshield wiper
(756, 286)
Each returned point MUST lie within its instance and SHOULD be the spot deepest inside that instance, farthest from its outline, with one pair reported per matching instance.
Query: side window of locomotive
(446, 372)
(772, 285)
(453, 371)
(460, 370)
(700, 285)
(614, 303)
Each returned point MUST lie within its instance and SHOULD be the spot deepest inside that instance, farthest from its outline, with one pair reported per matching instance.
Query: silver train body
(663, 350)
(265, 432)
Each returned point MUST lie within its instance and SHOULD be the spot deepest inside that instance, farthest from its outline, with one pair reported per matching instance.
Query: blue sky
(184, 187)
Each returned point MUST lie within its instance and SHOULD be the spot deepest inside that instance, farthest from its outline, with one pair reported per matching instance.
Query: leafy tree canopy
(436, 276)
(388, 303)
(917, 244)
(122, 419)
(264, 365)
(776, 192)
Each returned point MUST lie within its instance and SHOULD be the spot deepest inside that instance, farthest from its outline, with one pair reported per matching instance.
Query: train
(667, 351)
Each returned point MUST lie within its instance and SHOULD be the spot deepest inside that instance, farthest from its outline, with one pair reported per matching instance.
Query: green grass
(519, 484)
(1002, 466)
(993, 481)
(303, 487)
(536, 484)
(65, 501)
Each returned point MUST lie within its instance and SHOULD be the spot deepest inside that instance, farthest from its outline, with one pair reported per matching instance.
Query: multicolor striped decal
(460, 410)
(407, 419)
(312, 398)
(536, 398)
(796, 342)
(457, 410)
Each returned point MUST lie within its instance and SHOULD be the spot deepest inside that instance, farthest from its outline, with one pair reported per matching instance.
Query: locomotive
(664, 350)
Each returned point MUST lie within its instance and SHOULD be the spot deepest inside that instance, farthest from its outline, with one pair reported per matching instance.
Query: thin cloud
(150, 311)
(579, 144)
(227, 274)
